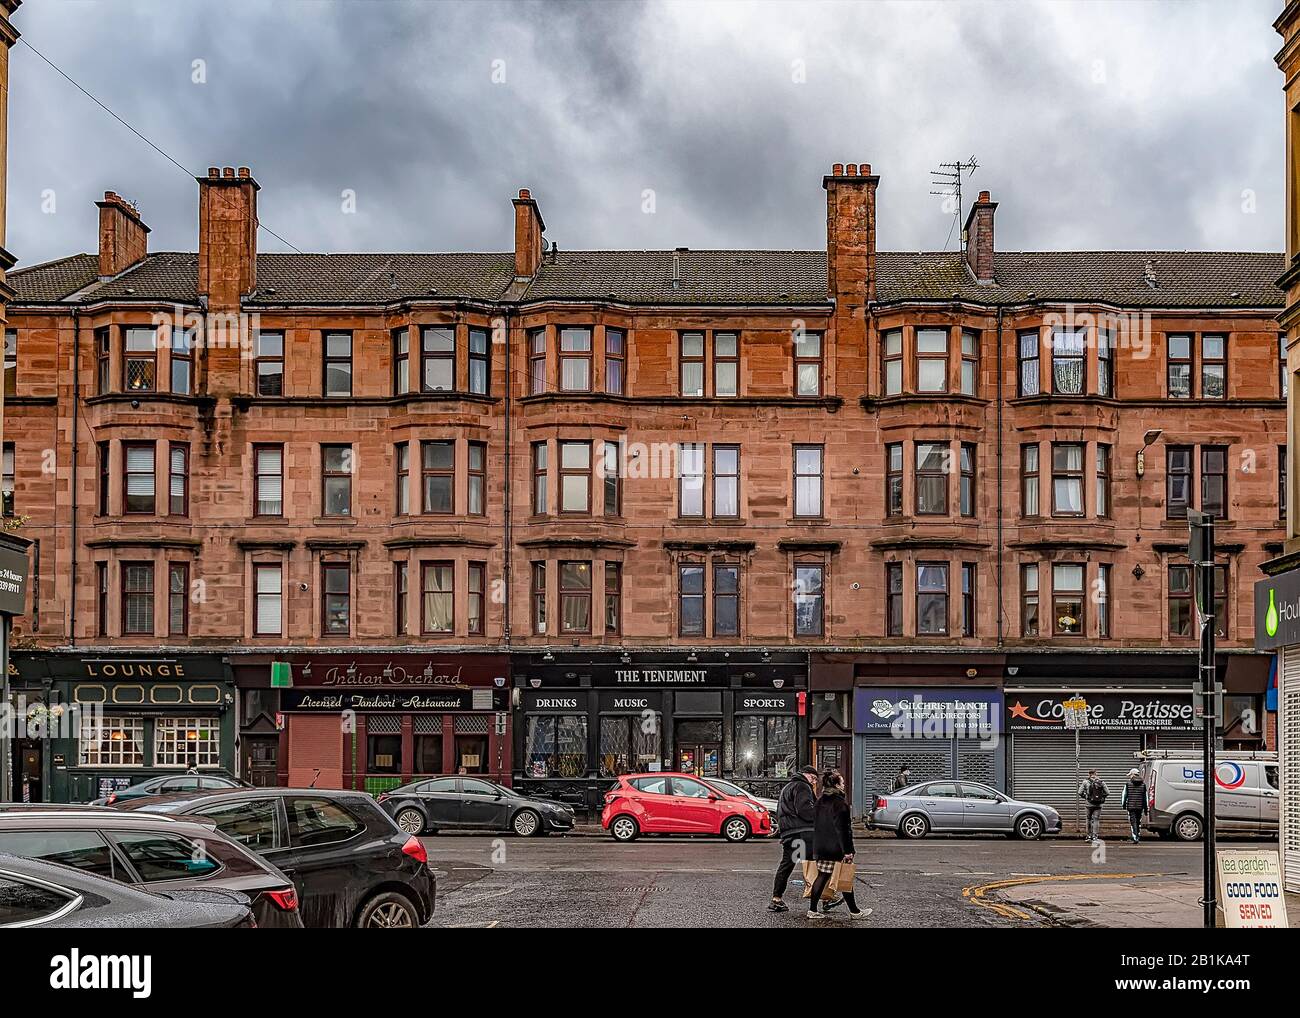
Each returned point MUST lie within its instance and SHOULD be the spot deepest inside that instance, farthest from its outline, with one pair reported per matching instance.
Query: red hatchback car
(670, 803)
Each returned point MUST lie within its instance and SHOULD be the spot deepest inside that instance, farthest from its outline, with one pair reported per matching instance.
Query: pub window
(726, 480)
(1067, 599)
(475, 601)
(384, 744)
(401, 360)
(401, 598)
(726, 600)
(575, 597)
(893, 599)
(690, 498)
(1029, 599)
(338, 363)
(137, 598)
(968, 599)
(111, 741)
(931, 360)
(438, 474)
(539, 478)
(1029, 480)
(268, 480)
(967, 487)
(269, 363)
(336, 598)
(178, 479)
(139, 359)
(536, 361)
(629, 745)
(268, 613)
(7, 481)
(692, 363)
(970, 361)
(138, 477)
(1214, 367)
(615, 361)
(575, 477)
(101, 598)
(808, 480)
(931, 479)
(437, 359)
(555, 746)
(103, 365)
(478, 361)
(183, 342)
(1027, 354)
(766, 746)
(178, 583)
(1103, 480)
(1214, 480)
(932, 598)
(613, 597)
(336, 480)
(894, 479)
(539, 597)
(726, 363)
(402, 459)
(809, 599)
(1105, 362)
(186, 742)
(1178, 481)
(575, 359)
(611, 483)
(1067, 479)
(892, 363)
(807, 363)
(11, 362)
(690, 596)
(476, 487)
(1068, 365)
(1103, 600)
(1180, 366)
(438, 592)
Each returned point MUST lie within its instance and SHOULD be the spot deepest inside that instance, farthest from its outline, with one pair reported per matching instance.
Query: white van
(1245, 799)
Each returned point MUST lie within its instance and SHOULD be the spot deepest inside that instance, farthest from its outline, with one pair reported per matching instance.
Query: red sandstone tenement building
(519, 502)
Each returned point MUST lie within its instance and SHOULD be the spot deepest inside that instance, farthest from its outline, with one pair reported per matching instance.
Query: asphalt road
(582, 881)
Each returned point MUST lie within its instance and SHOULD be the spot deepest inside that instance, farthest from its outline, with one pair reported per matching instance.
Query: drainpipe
(1001, 565)
(76, 430)
(507, 521)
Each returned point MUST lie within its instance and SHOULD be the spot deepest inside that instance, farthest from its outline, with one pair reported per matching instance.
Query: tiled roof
(1177, 278)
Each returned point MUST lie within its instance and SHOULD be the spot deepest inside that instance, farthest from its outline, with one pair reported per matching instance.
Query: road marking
(976, 895)
(483, 897)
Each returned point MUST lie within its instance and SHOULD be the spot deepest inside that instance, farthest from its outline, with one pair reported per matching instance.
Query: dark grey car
(470, 803)
(960, 807)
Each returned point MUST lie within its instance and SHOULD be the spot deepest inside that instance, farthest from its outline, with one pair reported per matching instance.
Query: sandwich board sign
(1250, 889)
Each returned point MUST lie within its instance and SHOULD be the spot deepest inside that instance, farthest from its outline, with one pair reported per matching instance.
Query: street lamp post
(1200, 551)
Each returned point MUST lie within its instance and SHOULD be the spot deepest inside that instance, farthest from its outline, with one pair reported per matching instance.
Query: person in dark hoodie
(795, 811)
(832, 843)
(1135, 802)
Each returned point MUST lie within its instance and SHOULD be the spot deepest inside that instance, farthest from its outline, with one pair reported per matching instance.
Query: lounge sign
(1036, 710)
(1277, 611)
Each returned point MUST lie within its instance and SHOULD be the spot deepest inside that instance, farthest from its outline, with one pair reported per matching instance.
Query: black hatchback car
(349, 862)
(469, 803)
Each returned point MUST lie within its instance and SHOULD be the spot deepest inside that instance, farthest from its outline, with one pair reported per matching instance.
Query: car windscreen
(727, 788)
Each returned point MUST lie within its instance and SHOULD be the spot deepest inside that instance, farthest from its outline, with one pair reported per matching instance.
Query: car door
(983, 809)
(320, 837)
(254, 823)
(1268, 814)
(165, 860)
(483, 805)
(83, 850)
(440, 798)
(695, 806)
(943, 803)
(652, 794)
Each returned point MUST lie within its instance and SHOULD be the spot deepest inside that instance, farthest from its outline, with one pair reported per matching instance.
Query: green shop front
(96, 721)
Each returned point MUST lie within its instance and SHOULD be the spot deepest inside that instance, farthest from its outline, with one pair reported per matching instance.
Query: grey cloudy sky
(1096, 125)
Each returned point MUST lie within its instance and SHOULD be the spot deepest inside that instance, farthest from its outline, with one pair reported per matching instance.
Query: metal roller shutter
(881, 757)
(1191, 741)
(1043, 770)
(975, 762)
(1288, 727)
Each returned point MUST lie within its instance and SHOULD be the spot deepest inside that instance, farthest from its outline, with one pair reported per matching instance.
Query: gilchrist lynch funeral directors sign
(1030, 710)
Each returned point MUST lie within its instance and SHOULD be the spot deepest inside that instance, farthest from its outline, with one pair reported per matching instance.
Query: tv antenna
(946, 184)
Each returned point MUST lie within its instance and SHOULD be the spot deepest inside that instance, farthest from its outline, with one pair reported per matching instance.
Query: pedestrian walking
(1094, 792)
(795, 812)
(903, 778)
(832, 844)
(1134, 799)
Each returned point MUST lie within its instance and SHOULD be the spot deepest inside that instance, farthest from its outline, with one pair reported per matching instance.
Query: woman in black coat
(832, 843)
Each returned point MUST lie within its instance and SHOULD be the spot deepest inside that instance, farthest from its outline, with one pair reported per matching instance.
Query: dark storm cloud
(651, 125)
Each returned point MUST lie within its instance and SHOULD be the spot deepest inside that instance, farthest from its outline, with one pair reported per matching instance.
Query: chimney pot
(243, 172)
(213, 171)
(837, 170)
(228, 172)
(851, 170)
(525, 193)
(984, 197)
(864, 169)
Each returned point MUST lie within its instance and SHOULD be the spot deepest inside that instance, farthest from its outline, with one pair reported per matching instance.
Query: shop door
(315, 751)
(261, 759)
(27, 771)
(830, 754)
(703, 759)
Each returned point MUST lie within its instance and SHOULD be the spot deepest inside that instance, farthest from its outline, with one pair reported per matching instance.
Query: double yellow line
(977, 894)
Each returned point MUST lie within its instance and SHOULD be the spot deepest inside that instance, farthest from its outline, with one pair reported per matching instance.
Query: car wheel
(410, 820)
(1029, 827)
(914, 826)
(388, 910)
(526, 823)
(1188, 827)
(624, 828)
(735, 829)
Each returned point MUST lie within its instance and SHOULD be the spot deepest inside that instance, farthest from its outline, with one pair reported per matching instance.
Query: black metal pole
(1209, 716)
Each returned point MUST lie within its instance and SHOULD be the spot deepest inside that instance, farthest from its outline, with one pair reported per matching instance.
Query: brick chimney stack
(227, 236)
(851, 235)
(123, 237)
(528, 235)
(979, 239)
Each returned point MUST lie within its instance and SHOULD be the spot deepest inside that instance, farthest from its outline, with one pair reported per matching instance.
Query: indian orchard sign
(1035, 710)
(1277, 611)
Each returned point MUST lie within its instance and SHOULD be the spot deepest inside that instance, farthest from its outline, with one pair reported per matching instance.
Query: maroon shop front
(374, 721)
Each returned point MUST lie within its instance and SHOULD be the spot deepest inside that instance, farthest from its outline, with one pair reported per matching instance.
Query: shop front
(98, 721)
(584, 719)
(374, 721)
(1277, 631)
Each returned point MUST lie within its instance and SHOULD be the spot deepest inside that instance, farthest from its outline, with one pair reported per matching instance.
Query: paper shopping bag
(844, 875)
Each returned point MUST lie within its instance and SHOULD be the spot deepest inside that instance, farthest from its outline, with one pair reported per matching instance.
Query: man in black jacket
(795, 812)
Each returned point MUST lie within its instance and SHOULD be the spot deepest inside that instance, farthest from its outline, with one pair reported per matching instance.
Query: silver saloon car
(960, 807)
